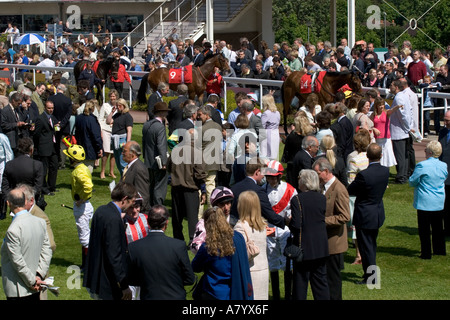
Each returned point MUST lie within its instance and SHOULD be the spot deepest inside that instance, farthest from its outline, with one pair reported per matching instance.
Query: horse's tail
(142, 98)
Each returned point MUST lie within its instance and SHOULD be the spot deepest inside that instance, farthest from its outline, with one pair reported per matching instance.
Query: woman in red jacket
(119, 79)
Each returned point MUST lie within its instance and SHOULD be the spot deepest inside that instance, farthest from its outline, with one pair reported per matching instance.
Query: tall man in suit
(336, 217)
(162, 90)
(154, 145)
(343, 128)
(26, 252)
(136, 173)
(255, 173)
(369, 187)
(157, 252)
(175, 115)
(62, 112)
(444, 139)
(304, 158)
(106, 264)
(45, 141)
(11, 121)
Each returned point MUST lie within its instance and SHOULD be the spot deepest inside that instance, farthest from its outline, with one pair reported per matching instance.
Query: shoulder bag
(252, 248)
(292, 251)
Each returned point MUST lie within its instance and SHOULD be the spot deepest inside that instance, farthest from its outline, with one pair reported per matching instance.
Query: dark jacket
(312, 222)
(152, 254)
(369, 187)
(88, 135)
(44, 135)
(106, 263)
(62, 111)
(266, 208)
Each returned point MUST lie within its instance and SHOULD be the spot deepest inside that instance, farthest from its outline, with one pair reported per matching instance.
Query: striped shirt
(136, 228)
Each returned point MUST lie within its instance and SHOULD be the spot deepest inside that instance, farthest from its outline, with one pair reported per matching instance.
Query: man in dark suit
(444, 139)
(198, 58)
(106, 264)
(10, 120)
(343, 130)
(23, 169)
(45, 142)
(175, 115)
(62, 112)
(136, 173)
(304, 158)
(154, 144)
(255, 173)
(162, 90)
(213, 102)
(156, 252)
(369, 187)
(336, 217)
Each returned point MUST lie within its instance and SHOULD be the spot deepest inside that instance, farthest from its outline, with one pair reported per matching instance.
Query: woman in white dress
(105, 110)
(270, 120)
(252, 226)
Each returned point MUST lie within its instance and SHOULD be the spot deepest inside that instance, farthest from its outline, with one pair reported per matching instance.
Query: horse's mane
(209, 57)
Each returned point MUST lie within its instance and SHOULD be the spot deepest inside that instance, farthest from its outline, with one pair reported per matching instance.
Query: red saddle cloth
(181, 75)
(306, 82)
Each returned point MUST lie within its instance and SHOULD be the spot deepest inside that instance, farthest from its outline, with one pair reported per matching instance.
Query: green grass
(403, 275)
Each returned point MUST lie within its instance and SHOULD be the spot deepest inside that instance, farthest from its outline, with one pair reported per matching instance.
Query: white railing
(14, 69)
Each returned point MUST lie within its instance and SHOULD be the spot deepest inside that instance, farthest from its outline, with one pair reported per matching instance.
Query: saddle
(180, 75)
(312, 82)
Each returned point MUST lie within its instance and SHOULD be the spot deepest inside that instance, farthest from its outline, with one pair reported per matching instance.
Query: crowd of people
(224, 172)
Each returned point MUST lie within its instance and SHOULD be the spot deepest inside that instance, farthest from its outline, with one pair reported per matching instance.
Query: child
(82, 187)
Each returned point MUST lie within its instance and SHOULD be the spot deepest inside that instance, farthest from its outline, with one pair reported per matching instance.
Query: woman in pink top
(380, 118)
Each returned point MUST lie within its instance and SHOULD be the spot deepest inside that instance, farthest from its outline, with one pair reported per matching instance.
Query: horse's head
(355, 82)
(115, 68)
(221, 62)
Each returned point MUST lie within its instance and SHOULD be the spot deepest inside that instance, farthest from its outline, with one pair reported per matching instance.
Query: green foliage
(290, 19)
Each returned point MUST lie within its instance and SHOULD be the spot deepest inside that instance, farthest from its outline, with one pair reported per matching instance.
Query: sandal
(357, 261)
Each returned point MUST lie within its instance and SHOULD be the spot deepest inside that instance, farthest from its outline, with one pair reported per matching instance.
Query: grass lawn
(403, 275)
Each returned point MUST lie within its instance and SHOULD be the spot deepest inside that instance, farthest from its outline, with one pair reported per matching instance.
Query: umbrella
(29, 38)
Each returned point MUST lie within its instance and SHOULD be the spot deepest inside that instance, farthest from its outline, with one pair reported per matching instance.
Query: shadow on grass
(351, 276)
(409, 230)
(397, 251)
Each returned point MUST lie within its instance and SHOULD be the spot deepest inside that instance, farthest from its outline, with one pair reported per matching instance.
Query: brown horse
(331, 83)
(200, 75)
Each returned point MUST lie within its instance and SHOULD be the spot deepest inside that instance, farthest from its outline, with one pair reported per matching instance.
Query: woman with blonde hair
(223, 260)
(252, 226)
(356, 162)
(329, 150)
(270, 120)
(122, 128)
(105, 110)
(88, 134)
(293, 143)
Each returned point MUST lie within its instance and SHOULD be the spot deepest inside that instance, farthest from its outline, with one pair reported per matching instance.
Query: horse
(105, 67)
(200, 75)
(331, 83)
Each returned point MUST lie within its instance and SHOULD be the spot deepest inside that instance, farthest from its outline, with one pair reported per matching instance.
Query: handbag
(293, 251)
(252, 248)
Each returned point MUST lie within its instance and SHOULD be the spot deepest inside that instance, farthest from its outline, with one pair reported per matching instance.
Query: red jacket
(416, 71)
(122, 75)
(214, 86)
